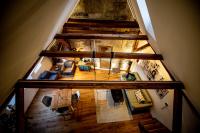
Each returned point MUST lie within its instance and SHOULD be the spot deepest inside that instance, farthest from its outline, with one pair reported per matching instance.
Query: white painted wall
(177, 31)
(164, 115)
(27, 27)
(44, 64)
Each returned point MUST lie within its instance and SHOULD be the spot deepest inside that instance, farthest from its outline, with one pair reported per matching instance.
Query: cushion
(53, 77)
(139, 96)
(68, 63)
(84, 68)
(44, 75)
(53, 72)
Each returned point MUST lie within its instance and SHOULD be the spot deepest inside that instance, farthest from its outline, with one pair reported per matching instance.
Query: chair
(75, 98)
(46, 100)
(117, 96)
(75, 101)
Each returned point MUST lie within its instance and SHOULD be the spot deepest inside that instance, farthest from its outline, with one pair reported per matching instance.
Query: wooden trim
(142, 47)
(101, 36)
(101, 23)
(97, 31)
(189, 101)
(177, 111)
(99, 84)
(20, 123)
(101, 55)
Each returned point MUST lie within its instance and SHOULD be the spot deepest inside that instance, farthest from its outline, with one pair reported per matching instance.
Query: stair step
(148, 121)
(152, 126)
(159, 130)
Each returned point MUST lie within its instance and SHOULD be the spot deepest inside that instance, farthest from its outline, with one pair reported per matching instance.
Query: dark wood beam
(89, 54)
(20, 120)
(101, 36)
(101, 23)
(142, 47)
(99, 31)
(177, 111)
(101, 84)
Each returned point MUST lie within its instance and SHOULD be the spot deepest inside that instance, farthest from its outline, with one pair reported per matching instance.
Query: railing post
(20, 110)
(177, 111)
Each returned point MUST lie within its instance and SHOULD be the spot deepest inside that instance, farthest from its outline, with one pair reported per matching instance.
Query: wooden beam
(101, 36)
(101, 84)
(20, 123)
(101, 23)
(177, 111)
(142, 47)
(99, 31)
(101, 55)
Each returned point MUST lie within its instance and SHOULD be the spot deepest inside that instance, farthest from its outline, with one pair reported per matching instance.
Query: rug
(106, 111)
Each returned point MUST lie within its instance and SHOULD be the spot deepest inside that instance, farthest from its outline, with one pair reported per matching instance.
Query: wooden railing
(90, 54)
(93, 84)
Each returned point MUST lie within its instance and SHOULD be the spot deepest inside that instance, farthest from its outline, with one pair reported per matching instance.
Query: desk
(62, 98)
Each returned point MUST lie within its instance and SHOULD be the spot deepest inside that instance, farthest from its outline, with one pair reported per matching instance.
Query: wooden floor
(40, 119)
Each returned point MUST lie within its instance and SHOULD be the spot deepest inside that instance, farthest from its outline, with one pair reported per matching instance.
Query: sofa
(138, 99)
(69, 68)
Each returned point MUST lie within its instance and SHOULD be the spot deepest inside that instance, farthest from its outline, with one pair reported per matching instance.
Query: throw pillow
(139, 96)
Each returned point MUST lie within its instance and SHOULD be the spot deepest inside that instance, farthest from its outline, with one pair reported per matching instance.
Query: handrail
(99, 84)
(189, 101)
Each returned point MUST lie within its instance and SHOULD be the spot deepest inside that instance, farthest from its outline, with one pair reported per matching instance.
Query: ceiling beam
(101, 36)
(101, 23)
(143, 47)
(99, 31)
(82, 54)
(92, 84)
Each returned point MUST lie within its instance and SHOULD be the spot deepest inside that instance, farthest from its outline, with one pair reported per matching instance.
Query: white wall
(44, 64)
(164, 115)
(177, 32)
(27, 27)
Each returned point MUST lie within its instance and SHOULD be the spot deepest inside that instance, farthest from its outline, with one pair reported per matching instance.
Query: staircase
(152, 126)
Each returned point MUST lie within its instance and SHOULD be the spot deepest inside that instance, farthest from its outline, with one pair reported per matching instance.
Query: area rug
(106, 111)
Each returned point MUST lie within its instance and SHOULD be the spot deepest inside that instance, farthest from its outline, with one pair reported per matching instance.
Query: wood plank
(177, 111)
(143, 47)
(89, 54)
(101, 23)
(101, 36)
(20, 121)
(93, 84)
(45, 120)
(99, 31)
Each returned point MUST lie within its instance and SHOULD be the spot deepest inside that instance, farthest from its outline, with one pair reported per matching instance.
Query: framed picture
(162, 92)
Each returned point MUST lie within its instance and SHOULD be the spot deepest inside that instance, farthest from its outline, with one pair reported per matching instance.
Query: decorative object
(162, 92)
(150, 68)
